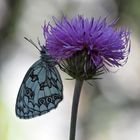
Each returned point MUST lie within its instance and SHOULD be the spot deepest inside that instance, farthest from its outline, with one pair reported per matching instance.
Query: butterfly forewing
(40, 91)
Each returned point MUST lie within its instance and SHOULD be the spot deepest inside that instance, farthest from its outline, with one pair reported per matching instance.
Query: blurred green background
(109, 110)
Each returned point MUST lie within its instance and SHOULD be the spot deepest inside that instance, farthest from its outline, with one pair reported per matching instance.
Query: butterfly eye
(41, 101)
(30, 93)
(55, 97)
(49, 99)
(27, 91)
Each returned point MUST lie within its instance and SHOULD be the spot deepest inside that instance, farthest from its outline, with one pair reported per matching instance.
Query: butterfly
(41, 89)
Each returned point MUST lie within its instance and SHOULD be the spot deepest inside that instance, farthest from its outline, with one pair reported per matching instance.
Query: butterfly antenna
(41, 46)
(29, 40)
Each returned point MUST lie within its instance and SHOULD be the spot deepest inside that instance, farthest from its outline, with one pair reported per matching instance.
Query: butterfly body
(41, 89)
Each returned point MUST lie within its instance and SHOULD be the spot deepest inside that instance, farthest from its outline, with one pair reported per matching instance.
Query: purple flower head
(99, 43)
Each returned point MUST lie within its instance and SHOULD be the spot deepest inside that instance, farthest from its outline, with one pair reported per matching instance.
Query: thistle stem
(76, 97)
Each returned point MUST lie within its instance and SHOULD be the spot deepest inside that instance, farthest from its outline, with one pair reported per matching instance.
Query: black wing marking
(40, 91)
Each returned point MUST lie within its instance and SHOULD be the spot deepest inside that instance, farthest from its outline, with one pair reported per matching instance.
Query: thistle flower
(87, 48)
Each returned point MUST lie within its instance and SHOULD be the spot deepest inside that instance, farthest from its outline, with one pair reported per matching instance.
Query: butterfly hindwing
(40, 91)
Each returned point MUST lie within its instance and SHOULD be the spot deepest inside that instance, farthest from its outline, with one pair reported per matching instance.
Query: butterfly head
(46, 57)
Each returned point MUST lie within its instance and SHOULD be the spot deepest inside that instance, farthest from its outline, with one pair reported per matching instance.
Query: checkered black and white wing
(40, 91)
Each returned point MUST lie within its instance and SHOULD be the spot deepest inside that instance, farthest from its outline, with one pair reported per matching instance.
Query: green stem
(76, 96)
